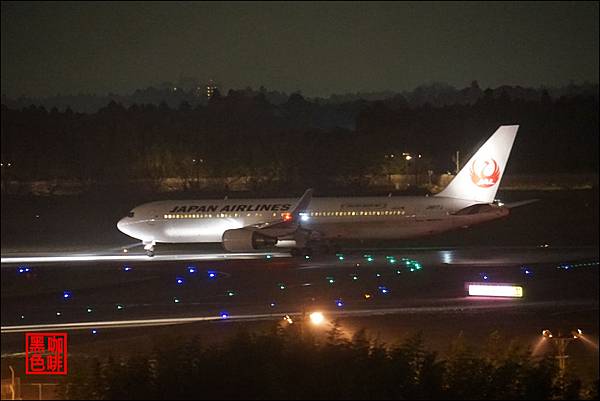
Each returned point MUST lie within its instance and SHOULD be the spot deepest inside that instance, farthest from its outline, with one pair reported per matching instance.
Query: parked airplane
(244, 225)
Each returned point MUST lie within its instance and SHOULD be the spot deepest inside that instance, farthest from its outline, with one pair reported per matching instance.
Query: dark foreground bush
(292, 363)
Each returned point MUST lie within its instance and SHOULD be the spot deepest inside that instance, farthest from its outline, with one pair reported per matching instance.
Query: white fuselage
(186, 221)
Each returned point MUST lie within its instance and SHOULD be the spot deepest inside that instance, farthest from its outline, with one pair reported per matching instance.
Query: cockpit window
(130, 214)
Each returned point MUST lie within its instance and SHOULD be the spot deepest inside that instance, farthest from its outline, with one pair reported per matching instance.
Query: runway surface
(101, 290)
(500, 255)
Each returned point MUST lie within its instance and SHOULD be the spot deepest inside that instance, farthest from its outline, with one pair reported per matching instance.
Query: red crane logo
(485, 172)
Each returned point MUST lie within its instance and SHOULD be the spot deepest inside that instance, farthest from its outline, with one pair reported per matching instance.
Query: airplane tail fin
(480, 178)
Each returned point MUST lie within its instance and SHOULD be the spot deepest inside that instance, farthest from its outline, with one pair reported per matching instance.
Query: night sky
(318, 48)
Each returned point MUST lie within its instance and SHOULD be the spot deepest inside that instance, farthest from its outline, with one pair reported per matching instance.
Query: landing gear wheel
(150, 253)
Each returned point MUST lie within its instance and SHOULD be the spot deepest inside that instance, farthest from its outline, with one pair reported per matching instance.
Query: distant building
(210, 88)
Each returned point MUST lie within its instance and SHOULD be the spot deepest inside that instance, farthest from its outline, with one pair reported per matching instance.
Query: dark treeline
(304, 142)
(291, 363)
(189, 90)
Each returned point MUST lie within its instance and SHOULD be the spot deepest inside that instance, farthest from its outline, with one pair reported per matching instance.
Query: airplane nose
(121, 224)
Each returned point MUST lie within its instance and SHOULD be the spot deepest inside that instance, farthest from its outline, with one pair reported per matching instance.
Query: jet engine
(241, 240)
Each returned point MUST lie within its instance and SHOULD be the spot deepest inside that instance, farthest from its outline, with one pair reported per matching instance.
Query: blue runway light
(526, 270)
(192, 269)
(339, 303)
(211, 274)
(272, 304)
(94, 331)
(23, 269)
(66, 294)
(224, 315)
(127, 268)
(383, 289)
(179, 280)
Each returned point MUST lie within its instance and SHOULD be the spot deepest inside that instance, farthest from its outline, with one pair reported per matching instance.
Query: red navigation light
(286, 216)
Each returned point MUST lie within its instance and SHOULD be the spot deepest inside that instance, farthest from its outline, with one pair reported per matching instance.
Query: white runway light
(317, 318)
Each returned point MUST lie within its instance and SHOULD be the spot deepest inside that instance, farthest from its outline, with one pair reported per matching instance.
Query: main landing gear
(149, 248)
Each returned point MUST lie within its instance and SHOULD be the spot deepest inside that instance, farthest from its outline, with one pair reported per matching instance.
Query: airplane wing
(302, 204)
(289, 222)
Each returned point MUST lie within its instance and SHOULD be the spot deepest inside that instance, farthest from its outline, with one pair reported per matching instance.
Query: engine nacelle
(240, 240)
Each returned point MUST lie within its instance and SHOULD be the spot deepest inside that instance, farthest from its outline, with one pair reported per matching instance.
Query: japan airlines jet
(244, 225)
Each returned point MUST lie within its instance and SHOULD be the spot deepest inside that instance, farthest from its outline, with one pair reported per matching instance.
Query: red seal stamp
(46, 353)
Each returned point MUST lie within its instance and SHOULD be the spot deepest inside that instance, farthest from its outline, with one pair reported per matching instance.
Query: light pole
(196, 162)
(457, 162)
(12, 382)
(560, 343)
